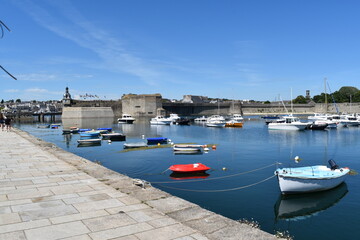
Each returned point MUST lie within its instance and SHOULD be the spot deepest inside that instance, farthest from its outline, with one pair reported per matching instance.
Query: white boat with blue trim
(310, 179)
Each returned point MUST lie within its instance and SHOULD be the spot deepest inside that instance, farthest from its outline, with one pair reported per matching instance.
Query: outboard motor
(333, 164)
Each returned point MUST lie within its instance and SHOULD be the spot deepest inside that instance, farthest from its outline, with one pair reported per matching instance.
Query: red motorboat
(195, 167)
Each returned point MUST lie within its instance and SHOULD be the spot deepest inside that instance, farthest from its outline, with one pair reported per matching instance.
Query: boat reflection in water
(302, 206)
(193, 175)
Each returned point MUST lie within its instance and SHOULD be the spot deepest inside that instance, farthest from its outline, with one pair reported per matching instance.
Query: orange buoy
(214, 147)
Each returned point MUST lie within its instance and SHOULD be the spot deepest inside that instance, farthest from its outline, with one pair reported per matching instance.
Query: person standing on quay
(2, 121)
(8, 124)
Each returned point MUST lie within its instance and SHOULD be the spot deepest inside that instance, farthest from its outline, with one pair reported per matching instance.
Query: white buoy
(109, 141)
(143, 136)
(206, 149)
(224, 169)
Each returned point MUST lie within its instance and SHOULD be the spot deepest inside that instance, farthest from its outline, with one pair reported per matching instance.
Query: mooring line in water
(216, 178)
(220, 190)
(152, 174)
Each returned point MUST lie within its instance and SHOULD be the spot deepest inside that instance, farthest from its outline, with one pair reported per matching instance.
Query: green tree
(18, 100)
(2, 101)
(300, 100)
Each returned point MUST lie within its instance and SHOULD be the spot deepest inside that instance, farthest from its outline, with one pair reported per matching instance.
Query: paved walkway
(48, 193)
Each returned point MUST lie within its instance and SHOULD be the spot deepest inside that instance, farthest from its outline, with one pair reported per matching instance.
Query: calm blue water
(327, 215)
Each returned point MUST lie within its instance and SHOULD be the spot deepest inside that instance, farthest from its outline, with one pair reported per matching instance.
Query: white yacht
(126, 118)
(317, 116)
(237, 118)
(288, 123)
(173, 117)
(160, 120)
(215, 121)
(351, 120)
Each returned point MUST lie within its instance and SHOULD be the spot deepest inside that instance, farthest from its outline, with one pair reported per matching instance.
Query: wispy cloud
(37, 77)
(36, 90)
(45, 77)
(69, 23)
(11, 90)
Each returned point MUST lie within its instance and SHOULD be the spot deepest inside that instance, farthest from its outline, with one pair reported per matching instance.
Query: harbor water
(241, 183)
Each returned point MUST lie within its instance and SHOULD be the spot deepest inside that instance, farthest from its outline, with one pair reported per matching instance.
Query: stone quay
(47, 193)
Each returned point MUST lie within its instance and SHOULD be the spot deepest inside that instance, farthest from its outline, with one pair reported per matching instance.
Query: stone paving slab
(48, 193)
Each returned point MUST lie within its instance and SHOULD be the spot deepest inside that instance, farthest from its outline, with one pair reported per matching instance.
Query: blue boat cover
(84, 129)
(156, 140)
(108, 129)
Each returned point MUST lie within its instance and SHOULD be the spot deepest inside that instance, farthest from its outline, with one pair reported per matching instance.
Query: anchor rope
(216, 178)
(221, 190)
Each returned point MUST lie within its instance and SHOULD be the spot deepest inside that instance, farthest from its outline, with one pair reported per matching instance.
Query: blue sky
(234, 49)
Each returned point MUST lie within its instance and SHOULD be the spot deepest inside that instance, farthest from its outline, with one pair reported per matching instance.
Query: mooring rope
(217, 178)
(220, 190)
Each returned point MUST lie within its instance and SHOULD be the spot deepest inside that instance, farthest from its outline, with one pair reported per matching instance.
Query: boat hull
(128, 121)
(309, 179)
(236, 125)
(89, 141)
(215, 124)
(90, 134)
(291, 127)
(114, 137)
(135, 145)
(182, 168)
(160, 122)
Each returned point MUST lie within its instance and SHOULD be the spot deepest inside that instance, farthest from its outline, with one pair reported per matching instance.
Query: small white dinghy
(188, 148)
(310, 179)
(89, 141)
(135, 145)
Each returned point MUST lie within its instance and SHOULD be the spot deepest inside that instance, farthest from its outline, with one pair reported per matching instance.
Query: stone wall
(115, 105)
(143, 105)
(87, 112)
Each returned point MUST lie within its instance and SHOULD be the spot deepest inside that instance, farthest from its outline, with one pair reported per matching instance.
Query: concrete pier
(48, 193)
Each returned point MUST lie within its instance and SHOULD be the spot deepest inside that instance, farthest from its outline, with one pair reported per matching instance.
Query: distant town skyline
(231, 49)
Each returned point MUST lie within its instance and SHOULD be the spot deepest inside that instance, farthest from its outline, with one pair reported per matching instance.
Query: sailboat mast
(326, 103)
(292, 109)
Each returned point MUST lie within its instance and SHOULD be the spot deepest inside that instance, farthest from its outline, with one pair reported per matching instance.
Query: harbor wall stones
(147, 105)
(87, 112)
